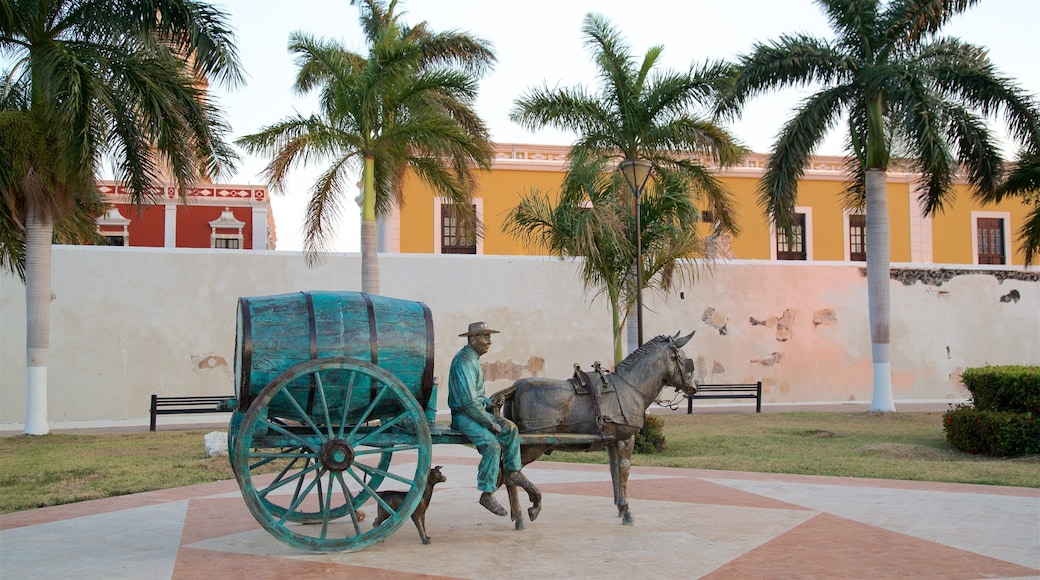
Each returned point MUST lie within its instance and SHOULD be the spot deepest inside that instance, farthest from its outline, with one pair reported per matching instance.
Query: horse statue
(611, 404)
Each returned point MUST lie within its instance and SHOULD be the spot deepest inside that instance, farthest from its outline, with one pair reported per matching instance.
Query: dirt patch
(819, 433)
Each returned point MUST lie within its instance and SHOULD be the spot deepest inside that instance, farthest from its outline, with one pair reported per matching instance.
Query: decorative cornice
(227, 220)
(534, 157)
(116, 192)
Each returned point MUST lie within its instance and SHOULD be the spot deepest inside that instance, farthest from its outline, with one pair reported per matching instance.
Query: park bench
(186, 405)
(727, 391)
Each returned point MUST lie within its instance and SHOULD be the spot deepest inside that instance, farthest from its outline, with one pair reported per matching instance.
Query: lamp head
(636, 172)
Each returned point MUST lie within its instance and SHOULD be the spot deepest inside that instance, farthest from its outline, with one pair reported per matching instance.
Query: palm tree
(900, 87)
(407, 105)
(592, 219)
(24, 172)
(93, 79)
(639, 113)
(22, 145)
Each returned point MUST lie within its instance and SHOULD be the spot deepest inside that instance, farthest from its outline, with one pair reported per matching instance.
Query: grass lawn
(908, 446)
(57, 469)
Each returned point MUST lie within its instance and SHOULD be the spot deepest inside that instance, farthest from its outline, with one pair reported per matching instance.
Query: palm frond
(791, 61)
(908, 22)
(798, 138)
(1028, 235)
(964, 74)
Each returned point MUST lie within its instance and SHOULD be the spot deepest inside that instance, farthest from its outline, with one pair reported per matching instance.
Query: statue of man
(495, 437)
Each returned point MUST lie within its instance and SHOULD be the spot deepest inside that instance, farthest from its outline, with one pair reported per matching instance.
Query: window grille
(858, 237)
(455, 238)
(991, 240)
(793, 248)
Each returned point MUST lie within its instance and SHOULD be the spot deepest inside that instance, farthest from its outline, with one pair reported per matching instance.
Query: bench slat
(727, 391)
(186, 406)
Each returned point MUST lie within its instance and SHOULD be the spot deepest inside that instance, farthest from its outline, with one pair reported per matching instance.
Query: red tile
(832, 547)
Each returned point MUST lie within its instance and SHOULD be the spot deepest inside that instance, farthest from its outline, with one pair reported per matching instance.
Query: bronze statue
(605, 403)
(494, 436)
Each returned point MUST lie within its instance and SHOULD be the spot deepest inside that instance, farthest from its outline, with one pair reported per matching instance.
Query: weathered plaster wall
(803, 330)
(129, 322)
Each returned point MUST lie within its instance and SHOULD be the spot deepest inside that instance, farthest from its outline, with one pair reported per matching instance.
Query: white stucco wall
(129, 322)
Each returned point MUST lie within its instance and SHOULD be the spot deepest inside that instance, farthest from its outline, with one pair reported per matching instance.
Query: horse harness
(684, 368)
(600, 383)
(596, 386)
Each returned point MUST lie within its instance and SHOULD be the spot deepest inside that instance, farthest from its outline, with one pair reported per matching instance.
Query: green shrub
(993, 433)
(1004, 388)
(651, 438)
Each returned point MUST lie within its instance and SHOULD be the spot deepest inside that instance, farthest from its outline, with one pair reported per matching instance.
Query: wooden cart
(330, 386)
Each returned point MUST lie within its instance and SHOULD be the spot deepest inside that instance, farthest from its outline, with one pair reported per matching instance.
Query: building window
(793, 247)
(114, 228)
(226, 231)
(454, 238)
(990, 235)
(857, 237)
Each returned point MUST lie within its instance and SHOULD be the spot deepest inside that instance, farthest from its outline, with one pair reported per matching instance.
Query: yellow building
(967, 232)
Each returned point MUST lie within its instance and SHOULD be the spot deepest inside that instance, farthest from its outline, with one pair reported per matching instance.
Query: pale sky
(540, 42)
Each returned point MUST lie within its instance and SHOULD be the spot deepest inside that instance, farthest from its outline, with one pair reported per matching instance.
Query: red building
(215, 216)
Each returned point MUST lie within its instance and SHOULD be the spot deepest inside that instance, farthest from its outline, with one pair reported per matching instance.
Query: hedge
(1004, 388)
(650, 438)
(1003, 419)
(993, 433)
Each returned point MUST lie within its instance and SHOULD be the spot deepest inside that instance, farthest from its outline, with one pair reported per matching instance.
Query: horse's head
(659, 363)
(681, 377)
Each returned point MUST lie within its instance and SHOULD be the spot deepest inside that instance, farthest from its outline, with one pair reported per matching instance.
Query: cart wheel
(316, 444)
(288, 463)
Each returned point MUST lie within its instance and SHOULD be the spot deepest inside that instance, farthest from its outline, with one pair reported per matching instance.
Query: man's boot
(488, 501)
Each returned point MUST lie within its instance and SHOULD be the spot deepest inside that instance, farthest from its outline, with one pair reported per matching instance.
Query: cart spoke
(371, 491)
(391, 449)
(296, 492)
(326, 507)
(285, 470)
(346, 405)
(298, 500)
(380, 429)
(277, 427)
(271, 456)
(324, 403)
(281, 482)
(376, 471)
(295, 453)
(349, 502)
(304, 416)
(368, 411)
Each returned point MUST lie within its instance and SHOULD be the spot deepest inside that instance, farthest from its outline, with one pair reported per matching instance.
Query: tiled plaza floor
(689, 524)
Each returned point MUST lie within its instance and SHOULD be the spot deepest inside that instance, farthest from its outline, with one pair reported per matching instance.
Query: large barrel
(275, 333)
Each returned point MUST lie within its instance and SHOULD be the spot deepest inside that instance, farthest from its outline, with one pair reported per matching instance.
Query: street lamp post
(637, 172)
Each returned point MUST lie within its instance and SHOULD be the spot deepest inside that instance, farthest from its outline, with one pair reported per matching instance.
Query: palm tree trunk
(631, 335)
(369, 231)
(39, 228)
(615, 325)
(879, 256)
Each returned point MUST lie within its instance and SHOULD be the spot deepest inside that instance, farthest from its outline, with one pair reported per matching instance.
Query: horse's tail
(506, 397)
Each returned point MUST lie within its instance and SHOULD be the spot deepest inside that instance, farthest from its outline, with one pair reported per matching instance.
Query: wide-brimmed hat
(476, 328)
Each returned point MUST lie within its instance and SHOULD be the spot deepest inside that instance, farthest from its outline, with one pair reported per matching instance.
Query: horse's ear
(681, 342)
